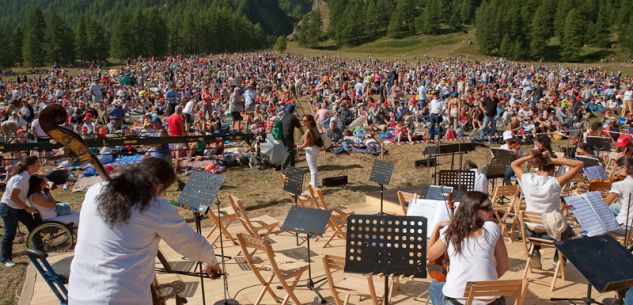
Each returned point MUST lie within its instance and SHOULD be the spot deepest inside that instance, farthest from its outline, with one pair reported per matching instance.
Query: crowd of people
(351, 104)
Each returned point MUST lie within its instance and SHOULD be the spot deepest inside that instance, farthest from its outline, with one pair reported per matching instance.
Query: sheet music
(595, 172)
(434, 211)
(437, 192)
(594, 215)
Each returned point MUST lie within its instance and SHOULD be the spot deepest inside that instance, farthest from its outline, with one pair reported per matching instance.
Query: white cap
(507, 135)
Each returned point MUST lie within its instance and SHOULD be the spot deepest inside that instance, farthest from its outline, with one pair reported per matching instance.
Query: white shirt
(475, 263)
(45, 213)
(436, 106)
(115, 265)
(624, 190)
(481, 181)
(37, 130)
(628, 95)
(18, 181)
(188, 108)
(542, 194)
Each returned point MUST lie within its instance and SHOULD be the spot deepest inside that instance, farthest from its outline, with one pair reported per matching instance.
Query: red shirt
(175, 122)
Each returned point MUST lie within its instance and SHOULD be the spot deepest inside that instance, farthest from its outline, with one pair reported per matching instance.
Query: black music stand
(588, 161)
(458, 179)
(502, 158)
(201, 189)
(293, 183)
(448, 149)
(312, 222)
(391, 245)
(588, 256)
(381, 174)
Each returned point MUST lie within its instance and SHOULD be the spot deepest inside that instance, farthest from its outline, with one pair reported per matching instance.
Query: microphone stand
(226, 300)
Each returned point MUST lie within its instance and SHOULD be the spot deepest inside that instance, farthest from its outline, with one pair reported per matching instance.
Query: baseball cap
(507, 135)
(155, 120)
(623, 141)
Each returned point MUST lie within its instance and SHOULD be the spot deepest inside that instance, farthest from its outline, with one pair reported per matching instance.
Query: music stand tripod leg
(386, 296)
(198, 218)
(226, 300)
(310, 284)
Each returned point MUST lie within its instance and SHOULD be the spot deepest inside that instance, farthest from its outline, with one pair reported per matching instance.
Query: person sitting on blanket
(42, 200)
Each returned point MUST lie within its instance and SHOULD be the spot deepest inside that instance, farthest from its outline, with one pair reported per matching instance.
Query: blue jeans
(435, 293)
(488, 120)
(436, 120)
(10, 219)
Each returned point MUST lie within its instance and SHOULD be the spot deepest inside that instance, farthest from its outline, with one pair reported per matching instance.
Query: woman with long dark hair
(475, 247)
(42, 200)
(13, 207)
(311, 143)
(121, 223)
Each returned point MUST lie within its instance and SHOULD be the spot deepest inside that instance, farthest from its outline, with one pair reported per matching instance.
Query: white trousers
(311, 157)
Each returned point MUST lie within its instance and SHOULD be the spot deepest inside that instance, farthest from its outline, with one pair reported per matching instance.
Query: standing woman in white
(311, 144)
(121, 223)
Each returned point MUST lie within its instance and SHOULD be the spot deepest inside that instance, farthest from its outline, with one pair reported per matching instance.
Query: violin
(599, 184)
(438, 268)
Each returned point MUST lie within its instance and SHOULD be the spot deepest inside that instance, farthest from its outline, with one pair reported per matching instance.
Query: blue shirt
(172, 97)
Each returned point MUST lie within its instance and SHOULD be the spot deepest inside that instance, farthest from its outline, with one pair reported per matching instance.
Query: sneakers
(536, 260)
(9, 263)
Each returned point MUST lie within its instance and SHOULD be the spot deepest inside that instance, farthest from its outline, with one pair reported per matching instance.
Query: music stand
(599, 143)
(312, 222)
(391, 245)
(293, 183)
(588, 256)
(588, 161)
(446, 149)
(458, 179)
(201, 189)
(381, 174)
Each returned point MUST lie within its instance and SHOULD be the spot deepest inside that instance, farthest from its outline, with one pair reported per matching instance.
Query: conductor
(289, 122)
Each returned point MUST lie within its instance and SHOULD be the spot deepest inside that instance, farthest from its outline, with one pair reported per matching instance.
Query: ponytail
(25, 163)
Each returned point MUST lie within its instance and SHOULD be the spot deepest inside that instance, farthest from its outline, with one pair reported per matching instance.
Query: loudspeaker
(425, 162)
(334, 181)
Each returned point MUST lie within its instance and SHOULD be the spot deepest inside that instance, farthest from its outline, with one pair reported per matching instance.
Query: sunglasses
(487, 208)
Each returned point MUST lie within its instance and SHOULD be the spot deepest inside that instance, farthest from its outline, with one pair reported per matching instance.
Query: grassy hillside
(450, 45)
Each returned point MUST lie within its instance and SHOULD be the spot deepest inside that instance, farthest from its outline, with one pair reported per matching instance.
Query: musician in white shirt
(481, 181)
(121, 224)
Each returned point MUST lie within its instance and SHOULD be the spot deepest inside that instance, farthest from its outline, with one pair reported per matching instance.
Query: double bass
(50, 120)
(438, 268)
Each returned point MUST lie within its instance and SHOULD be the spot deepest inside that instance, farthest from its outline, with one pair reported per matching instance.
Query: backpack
(276, 131)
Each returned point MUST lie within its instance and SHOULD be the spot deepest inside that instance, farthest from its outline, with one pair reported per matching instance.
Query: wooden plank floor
(244, 286)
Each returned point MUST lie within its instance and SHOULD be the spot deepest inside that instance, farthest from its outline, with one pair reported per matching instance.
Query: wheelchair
(53, 236)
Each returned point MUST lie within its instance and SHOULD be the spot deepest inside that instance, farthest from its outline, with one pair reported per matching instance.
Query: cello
(438, 268)
(50, 119)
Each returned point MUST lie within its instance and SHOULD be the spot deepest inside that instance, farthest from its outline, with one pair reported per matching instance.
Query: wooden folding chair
(288, 272)
(517, 288)
(351, 285)
(260, 226)
(224, 220)
(536, 219)
(503, 210)
(302, 200)
(338, 220)
(404, 198)
(621, 239)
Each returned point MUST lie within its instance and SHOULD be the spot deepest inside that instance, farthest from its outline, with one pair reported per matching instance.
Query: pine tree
(123, 37)
(81, 39)
(429, 22)
(18, 40)
(626, 36)
(505, 49)
(600, 30)
(61, 48)
(540, 32)
(486, 27)
(35, 42)
(158, 33)
(98, 41)
(573, 36)
(281, 44)
(316, 22)
(6, 48)
(190, 37)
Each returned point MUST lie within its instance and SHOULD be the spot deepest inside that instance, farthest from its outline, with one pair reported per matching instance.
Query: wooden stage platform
(245, 288)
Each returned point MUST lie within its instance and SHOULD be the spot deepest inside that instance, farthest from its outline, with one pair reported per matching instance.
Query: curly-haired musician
(122, 222)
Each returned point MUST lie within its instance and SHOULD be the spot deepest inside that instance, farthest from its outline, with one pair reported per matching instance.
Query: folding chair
(224, 220)
(338, 220)
(287, 271)
(302, 200)
(404, 198)
(503, 210)
(536, 219)
(257, 227)
(516, 288)
(361, 286)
